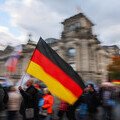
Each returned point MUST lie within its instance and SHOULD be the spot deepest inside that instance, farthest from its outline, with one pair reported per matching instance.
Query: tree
(114, 68)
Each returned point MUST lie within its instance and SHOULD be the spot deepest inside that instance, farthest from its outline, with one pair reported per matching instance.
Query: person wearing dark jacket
(39, 94)
(3, 100)
(92, 100)
(29, 104)
(81, 110)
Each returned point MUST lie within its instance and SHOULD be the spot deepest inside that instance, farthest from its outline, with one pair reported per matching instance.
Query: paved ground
(116, 113)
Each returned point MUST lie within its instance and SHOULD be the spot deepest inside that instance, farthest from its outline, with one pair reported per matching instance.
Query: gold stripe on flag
(53, 85)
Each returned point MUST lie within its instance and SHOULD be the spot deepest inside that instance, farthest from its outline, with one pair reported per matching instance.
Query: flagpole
(22, 78)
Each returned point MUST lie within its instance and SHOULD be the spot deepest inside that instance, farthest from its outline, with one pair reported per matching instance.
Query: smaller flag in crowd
(13, 59)
(116, 81)
(23, 80)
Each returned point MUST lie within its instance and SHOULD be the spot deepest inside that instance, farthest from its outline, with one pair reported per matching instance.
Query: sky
(43, 18)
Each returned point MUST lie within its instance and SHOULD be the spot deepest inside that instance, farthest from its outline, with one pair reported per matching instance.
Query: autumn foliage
(114, 68)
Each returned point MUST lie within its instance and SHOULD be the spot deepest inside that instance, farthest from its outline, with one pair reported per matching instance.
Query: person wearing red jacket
(48, 103)
(63, 109)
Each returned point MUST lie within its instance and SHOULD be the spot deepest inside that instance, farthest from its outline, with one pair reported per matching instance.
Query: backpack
(41, 103)
(82, 109)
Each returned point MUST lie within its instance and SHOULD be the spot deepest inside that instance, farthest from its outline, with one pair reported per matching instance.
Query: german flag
(116, 81)
(60, 78)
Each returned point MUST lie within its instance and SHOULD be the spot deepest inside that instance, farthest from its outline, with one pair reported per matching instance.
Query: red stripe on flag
(116, 81)
(56, 72)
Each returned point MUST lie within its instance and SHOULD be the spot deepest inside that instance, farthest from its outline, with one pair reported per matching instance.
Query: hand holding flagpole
(20, 87)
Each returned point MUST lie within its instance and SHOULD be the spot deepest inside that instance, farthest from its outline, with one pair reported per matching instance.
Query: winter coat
(3, 98)
(14, 101)
(92, 101)
(29, 99)
(48, 103)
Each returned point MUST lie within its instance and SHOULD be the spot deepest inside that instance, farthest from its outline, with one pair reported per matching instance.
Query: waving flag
(116, 81)
(59, 77)
(24, 78)
(13, 59)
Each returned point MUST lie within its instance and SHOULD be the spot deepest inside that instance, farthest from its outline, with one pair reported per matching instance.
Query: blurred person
(40, 91)
(107, 102)
(48, 103)
(74, 110)
(92, 101)
(13, 104)
(119, 95)
(39, 100)
(29, 107)
(63, 109)
(81, 111)
(3, 100)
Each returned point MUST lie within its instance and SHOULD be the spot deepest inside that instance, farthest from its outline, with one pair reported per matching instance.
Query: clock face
(73, 26)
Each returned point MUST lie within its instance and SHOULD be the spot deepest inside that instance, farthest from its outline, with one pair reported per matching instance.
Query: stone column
(84, 55)
(78, 56)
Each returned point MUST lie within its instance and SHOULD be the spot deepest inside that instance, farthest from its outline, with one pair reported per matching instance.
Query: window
(71, 27)
(77, 24)
(71, 52)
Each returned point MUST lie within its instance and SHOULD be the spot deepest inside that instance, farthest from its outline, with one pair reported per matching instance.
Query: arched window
(71, 52)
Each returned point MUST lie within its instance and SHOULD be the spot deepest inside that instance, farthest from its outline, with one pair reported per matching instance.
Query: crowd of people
(35, 103)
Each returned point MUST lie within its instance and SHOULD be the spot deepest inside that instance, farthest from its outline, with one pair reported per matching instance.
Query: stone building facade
(82, 50)
(78, 46)
(22, 64)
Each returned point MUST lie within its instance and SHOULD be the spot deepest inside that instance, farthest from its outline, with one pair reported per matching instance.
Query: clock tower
(79, 44)
(77, 26)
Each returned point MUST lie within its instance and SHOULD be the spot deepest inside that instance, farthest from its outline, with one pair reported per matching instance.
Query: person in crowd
(3, 100)
(63, 110)
(74, 111)
(40, 92)
(39, 96)
(13, 104)
(81, 110)
(92, 101)
(29, 107)
(47, 106)
(119, 96)
(107, 101)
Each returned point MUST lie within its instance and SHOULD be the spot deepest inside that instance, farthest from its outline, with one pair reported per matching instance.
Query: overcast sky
(43, 18)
